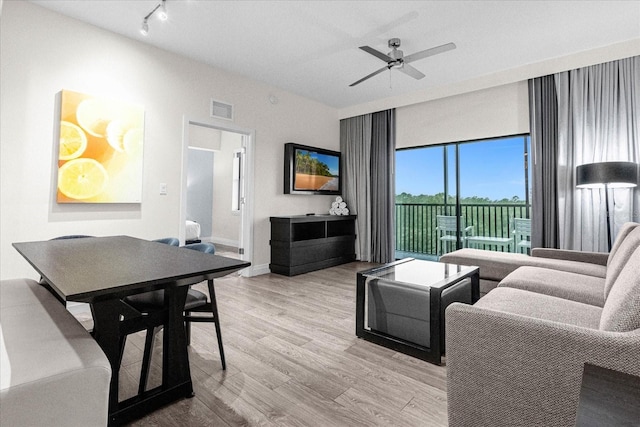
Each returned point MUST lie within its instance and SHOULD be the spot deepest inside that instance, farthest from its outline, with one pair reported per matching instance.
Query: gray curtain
(367, 144)
(543, 118)
(383, 144)
(598, 121)
(596, 111)
(355, 146)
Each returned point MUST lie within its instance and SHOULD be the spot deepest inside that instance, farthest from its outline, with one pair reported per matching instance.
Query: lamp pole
(606, 197)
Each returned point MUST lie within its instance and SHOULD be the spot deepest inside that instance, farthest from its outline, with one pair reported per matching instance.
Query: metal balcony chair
(522, 234)
(447, 228)
(196, 302)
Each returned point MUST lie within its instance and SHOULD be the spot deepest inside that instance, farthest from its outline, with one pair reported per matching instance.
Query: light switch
(163, 189)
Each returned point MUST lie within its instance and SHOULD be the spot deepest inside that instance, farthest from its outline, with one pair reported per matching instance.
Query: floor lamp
(608, 175)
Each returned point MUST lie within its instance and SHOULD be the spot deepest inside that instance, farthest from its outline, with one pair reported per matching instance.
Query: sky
(333, 162)
(493, 169)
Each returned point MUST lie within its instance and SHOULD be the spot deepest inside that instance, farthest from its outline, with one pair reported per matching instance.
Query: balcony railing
(416, 223)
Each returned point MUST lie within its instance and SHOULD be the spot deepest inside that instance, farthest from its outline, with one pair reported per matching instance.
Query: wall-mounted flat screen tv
(309, 170)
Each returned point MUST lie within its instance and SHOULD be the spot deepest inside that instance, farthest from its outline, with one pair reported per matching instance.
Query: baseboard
(222, 241)
(257, 270)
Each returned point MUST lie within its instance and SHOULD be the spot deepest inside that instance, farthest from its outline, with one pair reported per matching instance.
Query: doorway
(217, 186)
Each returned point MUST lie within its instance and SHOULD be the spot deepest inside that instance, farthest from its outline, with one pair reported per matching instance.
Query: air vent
(221, 110)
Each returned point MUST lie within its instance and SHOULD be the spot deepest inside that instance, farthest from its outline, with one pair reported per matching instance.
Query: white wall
(226, 223)
(487, 113)
(42, 53)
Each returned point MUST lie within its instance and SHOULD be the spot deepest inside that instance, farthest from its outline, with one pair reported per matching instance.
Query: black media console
(304, 243)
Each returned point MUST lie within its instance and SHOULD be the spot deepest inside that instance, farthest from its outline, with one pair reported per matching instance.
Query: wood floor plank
(293, 360)
(430, 407)
(310, 377)
(322, 411)
(376, 413)
(345, 368)
(278, 409)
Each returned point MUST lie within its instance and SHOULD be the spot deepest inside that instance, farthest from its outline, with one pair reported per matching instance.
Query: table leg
(106, 332)
(360, 282)
(174, 354)
(475, 287)
(435, 325)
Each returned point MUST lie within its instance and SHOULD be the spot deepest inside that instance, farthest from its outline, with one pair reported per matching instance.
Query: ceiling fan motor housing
(395, 53)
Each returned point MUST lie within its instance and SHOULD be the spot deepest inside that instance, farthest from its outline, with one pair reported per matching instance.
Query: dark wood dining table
(101, 271)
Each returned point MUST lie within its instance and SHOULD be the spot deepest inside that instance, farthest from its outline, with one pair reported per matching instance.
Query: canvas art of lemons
(100, 150)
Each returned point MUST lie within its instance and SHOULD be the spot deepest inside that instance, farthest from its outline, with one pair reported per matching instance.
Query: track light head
(162, 12)
(144, 29)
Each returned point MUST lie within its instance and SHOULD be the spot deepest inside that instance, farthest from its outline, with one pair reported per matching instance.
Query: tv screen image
(316, 171)
(311, 170)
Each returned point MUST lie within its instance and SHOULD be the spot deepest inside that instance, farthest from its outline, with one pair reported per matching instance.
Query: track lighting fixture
(161, 8)
(162, 13)
(144, 30)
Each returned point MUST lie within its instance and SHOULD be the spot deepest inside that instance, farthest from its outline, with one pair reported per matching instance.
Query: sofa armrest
(506, 369)
(599, 258)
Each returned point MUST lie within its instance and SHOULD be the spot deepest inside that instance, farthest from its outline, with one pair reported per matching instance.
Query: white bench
(52, 372)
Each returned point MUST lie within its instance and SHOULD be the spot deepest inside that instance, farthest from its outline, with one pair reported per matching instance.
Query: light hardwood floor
(293, 360)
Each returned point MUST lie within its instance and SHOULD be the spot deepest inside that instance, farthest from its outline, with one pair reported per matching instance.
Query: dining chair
(447, 228)
(171, 241)
(196, 302)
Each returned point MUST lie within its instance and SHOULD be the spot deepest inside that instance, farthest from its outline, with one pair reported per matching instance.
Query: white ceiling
(311, 47)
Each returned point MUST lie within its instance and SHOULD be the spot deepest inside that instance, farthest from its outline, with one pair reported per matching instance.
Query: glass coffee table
(401, 305)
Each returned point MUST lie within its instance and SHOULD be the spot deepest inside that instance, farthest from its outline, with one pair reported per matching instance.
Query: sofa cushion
(621, 311)
(626, 228)
(540, 306)
(497, 265)
(561, 284)
(620, 257)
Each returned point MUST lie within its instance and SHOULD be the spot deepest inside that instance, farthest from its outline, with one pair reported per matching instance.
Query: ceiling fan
(396, 58)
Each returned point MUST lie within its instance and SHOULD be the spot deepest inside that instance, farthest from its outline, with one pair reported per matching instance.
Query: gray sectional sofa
(516, 357)
(52, 372)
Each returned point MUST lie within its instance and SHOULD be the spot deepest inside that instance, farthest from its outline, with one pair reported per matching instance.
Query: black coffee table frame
(434, 352)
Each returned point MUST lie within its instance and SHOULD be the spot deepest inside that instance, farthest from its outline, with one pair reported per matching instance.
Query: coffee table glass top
(420, 273)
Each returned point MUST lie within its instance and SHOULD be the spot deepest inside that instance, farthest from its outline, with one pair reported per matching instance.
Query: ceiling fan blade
(429, 52)
(410, 71)
(375, 73)
(377, 54)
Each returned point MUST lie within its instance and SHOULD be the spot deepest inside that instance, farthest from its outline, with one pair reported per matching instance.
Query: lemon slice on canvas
(132, 142)
(94, 115)
(82, 178)
(73, 141)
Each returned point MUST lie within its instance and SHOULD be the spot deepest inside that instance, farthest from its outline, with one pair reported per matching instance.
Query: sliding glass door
(461, 194)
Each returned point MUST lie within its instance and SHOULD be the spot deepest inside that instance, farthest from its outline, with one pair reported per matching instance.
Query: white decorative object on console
(339, 207)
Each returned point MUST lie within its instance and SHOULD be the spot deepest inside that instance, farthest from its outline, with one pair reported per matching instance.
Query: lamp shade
(612, 174)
